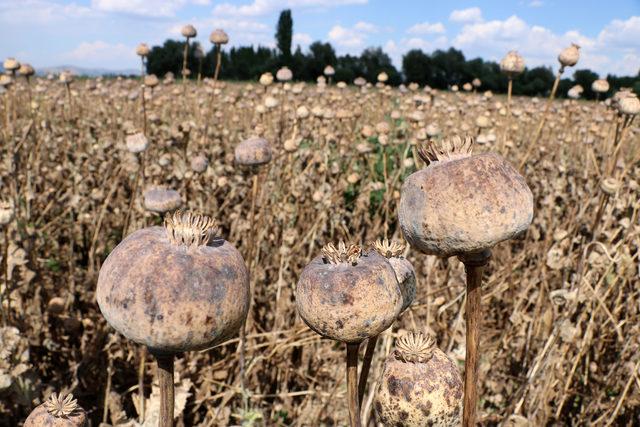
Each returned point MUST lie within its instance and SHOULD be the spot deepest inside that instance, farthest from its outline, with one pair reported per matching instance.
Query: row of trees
(440, 69)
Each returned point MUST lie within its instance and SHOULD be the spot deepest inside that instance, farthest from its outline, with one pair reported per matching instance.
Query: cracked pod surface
(348, 299)
(175, 288)
(419, 386)
(463, 203)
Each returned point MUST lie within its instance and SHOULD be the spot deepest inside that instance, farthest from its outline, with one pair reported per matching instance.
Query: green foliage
(284, 36)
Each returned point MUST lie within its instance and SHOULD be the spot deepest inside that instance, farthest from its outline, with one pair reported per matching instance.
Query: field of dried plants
(560, 327)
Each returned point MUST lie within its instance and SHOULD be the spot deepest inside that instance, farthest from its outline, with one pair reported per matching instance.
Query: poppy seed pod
(161, 200)
(569, 56)
(151, 80)
(329, 70)
(188, 31)
(462, 203)
(284, 74)
(600, 86)
(359, 81)
(142, 50)
(57, 411)
(199, 163)
(26, 70)
(175, 288)
(136, 142)
(10, 64)
(383, 77)
(419, 386)
(512, 64)
(7, 211)
(218, 37)
(348, 296)
(405, 274)
(266, 79)
(254, 151)
(628, 104)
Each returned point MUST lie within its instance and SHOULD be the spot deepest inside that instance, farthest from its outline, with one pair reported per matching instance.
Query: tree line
(441, 69)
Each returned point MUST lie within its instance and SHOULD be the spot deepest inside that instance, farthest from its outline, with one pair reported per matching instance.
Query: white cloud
(397, 49)
(472, 14)
(263, 7)
(427, 28)
(155, 8)
(92, 54)
(625, 34)
(612, 51)
(536, 3)
(302, 39)
(40, 11)
(352, 38)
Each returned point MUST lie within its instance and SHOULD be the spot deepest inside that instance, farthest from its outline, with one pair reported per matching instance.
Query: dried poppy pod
(218, 37)
(383, 77)
(142, 50)
(405, 274)
(569, 56)
(10, 64)
(512, 64)
(284, 74)
(26, 70)
(463, 203)
(188, 290)
(600, 86)
(161, 200)
(136, 142)
(266, 79)
(254, 151)
(57, 411)
(348, 296)
(188, 31)
(7, 211)
(173, 289)
(419, 386)
(151, 80)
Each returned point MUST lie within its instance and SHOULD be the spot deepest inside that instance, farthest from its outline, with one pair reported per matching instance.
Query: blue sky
(104, 33)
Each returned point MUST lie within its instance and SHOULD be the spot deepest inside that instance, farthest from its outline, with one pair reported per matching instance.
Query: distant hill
(88, 72)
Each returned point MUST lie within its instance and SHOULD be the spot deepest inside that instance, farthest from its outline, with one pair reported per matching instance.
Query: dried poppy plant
(462, 205)
(568, 58)
(348, 296)
(188, 32)
(173, 289)
(406, 276)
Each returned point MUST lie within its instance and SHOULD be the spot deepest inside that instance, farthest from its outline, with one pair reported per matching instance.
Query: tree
(585, 78)
(416, 66)
(375, 61)
(284, 35)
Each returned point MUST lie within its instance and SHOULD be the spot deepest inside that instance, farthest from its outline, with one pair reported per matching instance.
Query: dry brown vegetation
(560, 327)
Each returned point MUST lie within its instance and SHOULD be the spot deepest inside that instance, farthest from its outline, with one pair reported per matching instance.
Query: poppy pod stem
(474, 266)
(184, 60)
(366, 366)
(352, 384)
(165, 381)
(543, 120)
